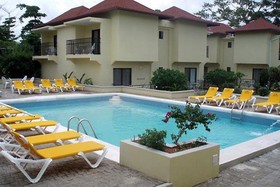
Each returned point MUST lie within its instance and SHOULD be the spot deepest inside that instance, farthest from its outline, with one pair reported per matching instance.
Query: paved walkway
(263, 171)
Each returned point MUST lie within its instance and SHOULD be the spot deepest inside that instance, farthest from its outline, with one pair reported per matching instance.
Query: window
(160, 34)
(279, 52)
(229, 44)
(207, 51)
(205, 70)
(122, 76)
(95, 41)
(228, 69)
(257, 74)
(55, 44)
(191, 75)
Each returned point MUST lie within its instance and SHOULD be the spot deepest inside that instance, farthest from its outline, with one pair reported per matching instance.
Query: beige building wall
(213, 43)
(134, 37)
(251, 48)
(247, 69)
(274, 60)
(227, 54)
(191, 39)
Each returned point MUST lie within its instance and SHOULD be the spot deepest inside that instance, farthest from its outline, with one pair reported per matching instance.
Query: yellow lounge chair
(211, 92)
(73, 84)
(57, 137)
(46, 84)
(17, 119)
(225, 95)
(45, 156)
(3, 108)
(9, 112)
(272, 101)
(60, 84)
(19, 87)
(38, 125)
(53, 137)
(30, 85)
(245, 97)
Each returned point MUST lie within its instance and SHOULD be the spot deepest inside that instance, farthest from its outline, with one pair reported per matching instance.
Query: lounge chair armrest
(233, 97)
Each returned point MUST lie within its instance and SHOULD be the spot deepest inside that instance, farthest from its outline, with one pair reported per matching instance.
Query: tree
(34, 16)
(32, 13)
(16, 57)
(239, 12)
(6, 32)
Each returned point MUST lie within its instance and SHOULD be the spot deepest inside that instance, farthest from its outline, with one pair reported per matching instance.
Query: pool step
(80, 124)
(236, 114)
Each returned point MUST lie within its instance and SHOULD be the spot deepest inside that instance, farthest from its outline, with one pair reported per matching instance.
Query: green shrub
(66, 76)
(263, 91)
(276, 86)
(170, 80)
(153, 138)
(221, 78)
(88, 81)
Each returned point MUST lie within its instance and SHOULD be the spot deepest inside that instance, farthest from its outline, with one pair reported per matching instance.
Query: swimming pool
(115, 120)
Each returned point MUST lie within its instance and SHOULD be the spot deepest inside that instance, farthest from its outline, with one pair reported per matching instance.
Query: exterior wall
(213, 43)
(274, 60)
(134, 37)
(191, 39)
(251, 48)
(48, 36)
(166, 46)
(247, 69)
(227, 54)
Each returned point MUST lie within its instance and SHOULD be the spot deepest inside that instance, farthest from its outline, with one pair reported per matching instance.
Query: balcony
(45, 51)
(83, 46)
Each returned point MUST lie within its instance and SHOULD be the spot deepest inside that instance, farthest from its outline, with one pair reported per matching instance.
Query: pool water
(115, 120)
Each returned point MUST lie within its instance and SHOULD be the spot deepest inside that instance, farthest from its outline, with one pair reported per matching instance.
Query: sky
(54, 8)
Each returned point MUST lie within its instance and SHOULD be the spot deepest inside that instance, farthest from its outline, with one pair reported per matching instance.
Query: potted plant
(188, 164)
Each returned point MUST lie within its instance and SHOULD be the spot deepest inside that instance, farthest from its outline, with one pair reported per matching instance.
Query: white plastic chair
(24, 78)
(5, 82)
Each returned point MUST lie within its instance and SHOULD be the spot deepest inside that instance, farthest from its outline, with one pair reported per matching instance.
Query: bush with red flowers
(188, 119)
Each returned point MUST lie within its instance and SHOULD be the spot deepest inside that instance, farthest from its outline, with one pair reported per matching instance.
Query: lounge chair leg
(19, 161)
(96, 164)
(270, 110)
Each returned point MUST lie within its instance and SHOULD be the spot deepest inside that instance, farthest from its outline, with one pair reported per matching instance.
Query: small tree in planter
(188, 167)
(188, 119)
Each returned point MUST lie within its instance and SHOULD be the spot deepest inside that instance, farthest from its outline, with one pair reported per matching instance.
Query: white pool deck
(228, 157)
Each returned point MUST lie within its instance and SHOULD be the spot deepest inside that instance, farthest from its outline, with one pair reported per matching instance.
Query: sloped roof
(178, 13)
(68, 15)
(220, 29)
(259, 25)
(128, 5)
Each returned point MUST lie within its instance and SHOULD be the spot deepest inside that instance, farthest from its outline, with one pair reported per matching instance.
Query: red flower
(167, 116)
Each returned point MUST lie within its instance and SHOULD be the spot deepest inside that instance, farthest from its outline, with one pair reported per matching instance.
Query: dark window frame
(122, 77)
(160, 34)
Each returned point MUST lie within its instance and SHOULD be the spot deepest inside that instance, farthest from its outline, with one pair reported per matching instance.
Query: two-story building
(248, 49)
(122, 42)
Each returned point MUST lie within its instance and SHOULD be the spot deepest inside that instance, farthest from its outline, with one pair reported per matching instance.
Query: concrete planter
(185, 168)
